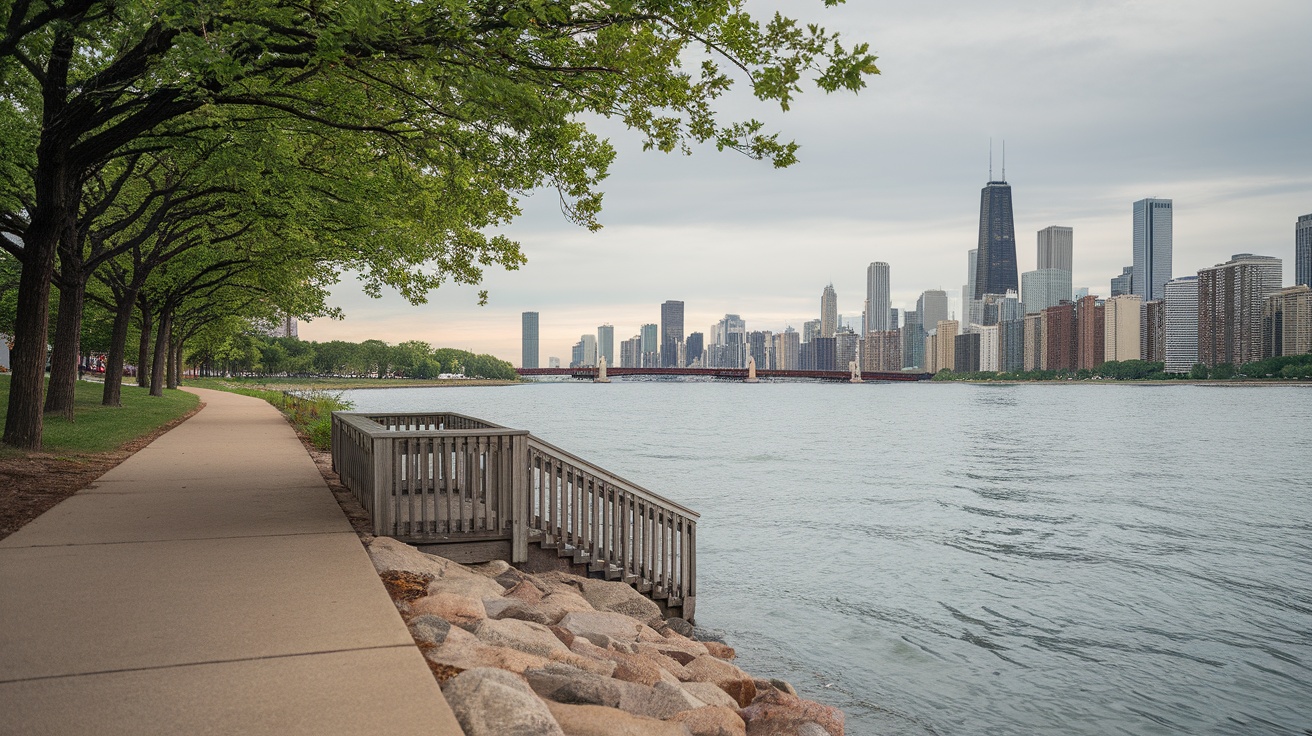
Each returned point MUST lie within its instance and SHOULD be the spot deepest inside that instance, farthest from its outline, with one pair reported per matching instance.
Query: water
(957, 559)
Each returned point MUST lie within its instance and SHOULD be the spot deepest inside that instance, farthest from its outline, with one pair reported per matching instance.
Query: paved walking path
(207, 585)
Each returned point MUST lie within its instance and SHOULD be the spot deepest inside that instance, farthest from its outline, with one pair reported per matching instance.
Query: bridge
(731, 374)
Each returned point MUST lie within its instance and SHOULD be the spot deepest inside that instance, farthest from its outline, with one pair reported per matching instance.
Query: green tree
(1199, 372)
(1223, 370)
(477, 102)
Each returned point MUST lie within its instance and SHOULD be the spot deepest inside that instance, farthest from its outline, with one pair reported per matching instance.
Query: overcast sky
(1101, 103)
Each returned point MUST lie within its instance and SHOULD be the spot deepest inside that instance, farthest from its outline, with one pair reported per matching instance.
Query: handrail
(425, 481)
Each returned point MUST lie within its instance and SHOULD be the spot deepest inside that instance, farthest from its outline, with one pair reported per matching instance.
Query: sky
(1100, 102)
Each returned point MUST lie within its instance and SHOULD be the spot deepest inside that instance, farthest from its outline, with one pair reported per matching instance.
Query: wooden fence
(440, 478)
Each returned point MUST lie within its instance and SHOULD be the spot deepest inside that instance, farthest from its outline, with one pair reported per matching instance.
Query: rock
(719, 651)
(511, 577)
(780, 685)
(460, 610)
(429, 628)
(680, 626)
(565, 684)
(403, 586)
(550, 609)
(701, 634)
(738, 684)
(566, 637)
(490, 569)
(652, 654)
(595, 720)
(602, 628)
(500, 608)
(710, 694)
(463, 651)
(776, 713)
(525, 636)
(712, 721)
(524, 591)
(628, 667)
(448, 577)
(493, 702)
(617, 597)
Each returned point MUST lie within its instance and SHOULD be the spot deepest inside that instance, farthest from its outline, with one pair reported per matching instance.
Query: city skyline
(893, 175)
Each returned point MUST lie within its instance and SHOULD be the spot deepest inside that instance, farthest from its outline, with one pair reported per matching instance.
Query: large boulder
(738, 684)
(596, 720)
(448, 577)
(710, 694)
(493, 702)
(628, 667)
(537, 640)
(617, 597)
(489, 569)
(777, 713)
(603, 628)
(571, 685)
(429, 629)
(549, 609)
(463, 651)
(460, 610)
(712, 721)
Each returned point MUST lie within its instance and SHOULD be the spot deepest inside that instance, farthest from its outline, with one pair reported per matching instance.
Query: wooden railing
(430, 478)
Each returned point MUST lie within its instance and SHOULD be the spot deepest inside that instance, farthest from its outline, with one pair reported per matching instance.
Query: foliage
(1133, 370)
(246, 354)
(1199, 372)
(1223, 371)
(1284, 366)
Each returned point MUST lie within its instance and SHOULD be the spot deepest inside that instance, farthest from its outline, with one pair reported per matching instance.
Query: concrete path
(207, 585)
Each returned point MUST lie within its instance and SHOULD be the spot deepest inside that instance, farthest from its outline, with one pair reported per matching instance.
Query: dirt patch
(405, 586)
(33, 483)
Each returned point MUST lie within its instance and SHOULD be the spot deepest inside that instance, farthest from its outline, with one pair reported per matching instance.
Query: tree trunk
(68, 341)
(118, 350)
(143, 348)
(171, 374)
(159, 362)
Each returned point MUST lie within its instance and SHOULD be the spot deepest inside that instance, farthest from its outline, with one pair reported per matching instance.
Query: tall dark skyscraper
(1303, 250)
(671, 333)
(995, 267)
(529, 358)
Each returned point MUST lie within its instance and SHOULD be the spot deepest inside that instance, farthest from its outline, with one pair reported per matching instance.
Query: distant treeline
(1289, 366)
(288, 356)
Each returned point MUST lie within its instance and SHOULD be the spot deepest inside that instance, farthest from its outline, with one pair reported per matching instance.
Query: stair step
(631, 580)
(643, 587)
(614, 573)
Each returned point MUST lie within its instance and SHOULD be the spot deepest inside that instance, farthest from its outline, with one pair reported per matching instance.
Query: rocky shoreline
(556, 654)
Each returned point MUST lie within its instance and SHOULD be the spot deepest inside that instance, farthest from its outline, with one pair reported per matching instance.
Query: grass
(97, 428)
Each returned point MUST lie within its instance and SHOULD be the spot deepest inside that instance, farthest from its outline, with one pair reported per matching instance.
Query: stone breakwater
(555, 654)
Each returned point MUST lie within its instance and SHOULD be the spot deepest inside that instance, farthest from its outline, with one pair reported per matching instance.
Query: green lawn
(99, 428)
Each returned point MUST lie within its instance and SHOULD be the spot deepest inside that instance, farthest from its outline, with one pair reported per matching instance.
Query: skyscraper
(529, 353)
(1181, 324)
(878, 300)
(996, 264)
(1152, 248)
(913, 341)
(1288, 321)
(1059, 337)
(1121, 339)
(1303, 251)
(1231, 305)
(1046, 287)
(1055, 246)
(589, 343)
(786, 347)
(1152, 337)
(606, 343)
(933, 308)
(695, 346)
(971, 311)
(671, 333)
(651, 352)
(1123, 284)
(1090, 332)
(829, 312)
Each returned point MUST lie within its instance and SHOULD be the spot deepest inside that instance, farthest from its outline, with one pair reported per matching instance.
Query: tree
(1223, 371)
(1199, 372)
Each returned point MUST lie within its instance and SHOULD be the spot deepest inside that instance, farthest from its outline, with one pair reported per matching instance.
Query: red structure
(726, 373)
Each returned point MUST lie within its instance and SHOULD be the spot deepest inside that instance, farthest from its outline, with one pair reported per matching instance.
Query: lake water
(961, 559)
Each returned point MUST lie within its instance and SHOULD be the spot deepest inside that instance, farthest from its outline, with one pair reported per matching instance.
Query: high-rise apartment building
(1034, 350)
(606, 343)
(671, 333)
(1152, 248)
(529, 337)
(810, 330)
(1288, 321)
(589, 343)
(913, 341)
(1181, 324)
(1152, 338)
(846, 346)
(883, 351)
(651, 347)
(631, 352)
(1303, 251)
(760, 346)
(1045, 288)
(972, 307)
(945, 345)
(878, 298)
(933, 308)
(1124, 284)
(998, 308)
(1059, 337)
(1231, 304)
(1055, 246)
(965, 353)
(695, 347)
(989, 348)
(1090, 332)
(996, 264)
(1011, 345)
(787, 347)
(1121, 335)
(828, 312)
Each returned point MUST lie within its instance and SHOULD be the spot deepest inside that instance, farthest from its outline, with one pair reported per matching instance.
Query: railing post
(519, 475)
(383, 492)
